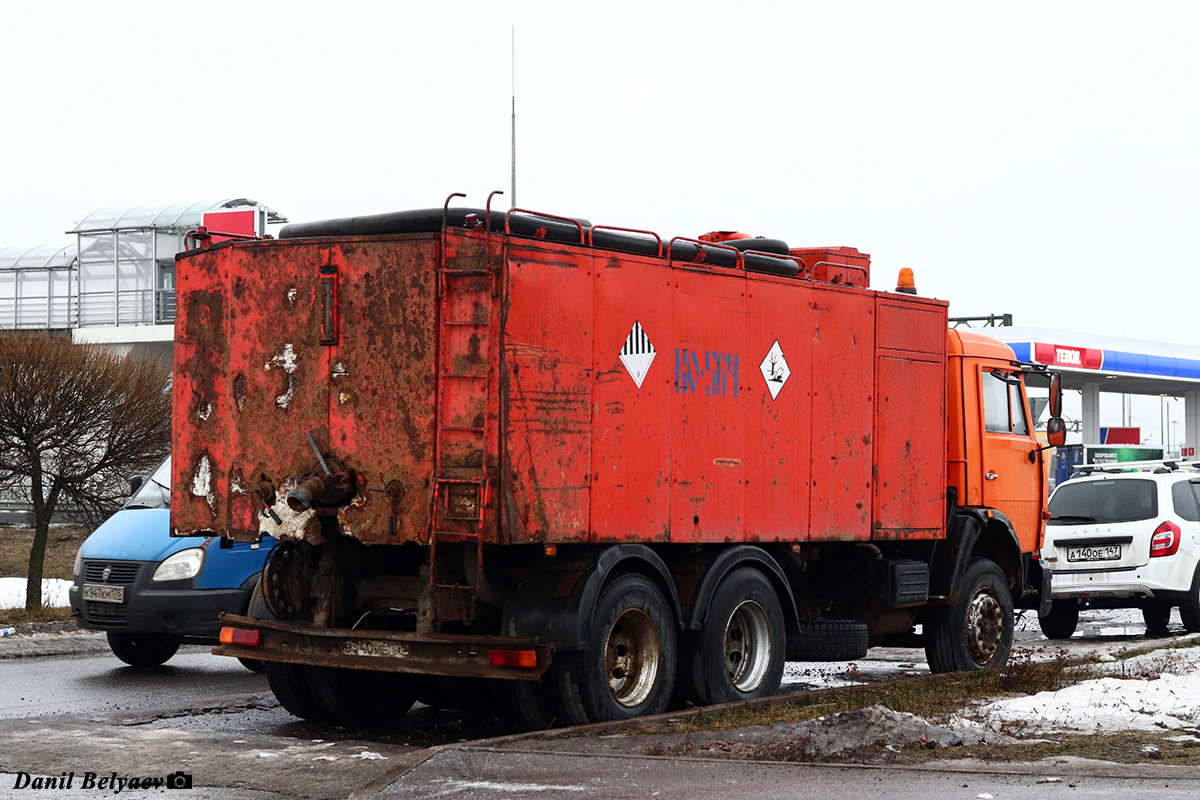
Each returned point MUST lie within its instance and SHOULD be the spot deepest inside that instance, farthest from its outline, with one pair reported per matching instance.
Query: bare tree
(75, 422)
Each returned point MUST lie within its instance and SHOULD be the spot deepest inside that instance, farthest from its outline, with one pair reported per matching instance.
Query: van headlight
(78, 568)
(181, 566)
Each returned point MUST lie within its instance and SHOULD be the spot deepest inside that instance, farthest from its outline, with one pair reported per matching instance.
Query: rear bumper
(1162, 578)
(384, 651)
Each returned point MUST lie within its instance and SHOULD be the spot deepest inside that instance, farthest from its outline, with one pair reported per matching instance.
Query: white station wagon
(1124, 540)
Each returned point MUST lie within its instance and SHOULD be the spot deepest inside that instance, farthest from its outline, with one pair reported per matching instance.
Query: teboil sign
(1057, 355)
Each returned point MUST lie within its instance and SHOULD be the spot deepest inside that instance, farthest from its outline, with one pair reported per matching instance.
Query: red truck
(601, 471)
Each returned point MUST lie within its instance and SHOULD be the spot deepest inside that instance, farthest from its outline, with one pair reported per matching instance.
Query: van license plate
(103, 594)
(1108, 552)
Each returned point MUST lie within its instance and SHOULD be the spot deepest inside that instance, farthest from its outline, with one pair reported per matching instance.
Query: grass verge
(61, 546)
(932, 697)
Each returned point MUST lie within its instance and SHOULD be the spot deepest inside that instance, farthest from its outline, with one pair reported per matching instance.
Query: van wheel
(142, 649)
(289, 682)
(1060, 622)
(739, 652)
(256, 608)
(362, 697)
(977, 631)
(628, 668)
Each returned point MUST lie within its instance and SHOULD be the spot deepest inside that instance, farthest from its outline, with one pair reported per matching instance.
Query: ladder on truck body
(467, 288)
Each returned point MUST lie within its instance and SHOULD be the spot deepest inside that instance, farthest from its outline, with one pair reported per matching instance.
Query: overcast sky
(1039, 159)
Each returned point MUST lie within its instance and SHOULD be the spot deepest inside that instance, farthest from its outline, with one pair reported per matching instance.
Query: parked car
(151, 592)
(1124, 540)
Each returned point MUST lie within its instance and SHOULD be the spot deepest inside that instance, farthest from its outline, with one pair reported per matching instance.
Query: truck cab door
(1012, 484)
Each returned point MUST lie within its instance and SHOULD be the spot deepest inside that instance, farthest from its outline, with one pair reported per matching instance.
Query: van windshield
(155, 491)
(1103, 501)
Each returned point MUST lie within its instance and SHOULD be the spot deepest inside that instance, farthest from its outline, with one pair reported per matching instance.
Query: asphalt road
(43, 686)
(212, 719)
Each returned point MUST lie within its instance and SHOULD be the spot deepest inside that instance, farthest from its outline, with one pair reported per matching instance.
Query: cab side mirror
(1056, 396)
(1056, 431)
(135, 483)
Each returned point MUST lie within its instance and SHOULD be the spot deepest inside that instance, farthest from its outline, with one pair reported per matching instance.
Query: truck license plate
(1108, 552)
(375, 648)
(103, 594)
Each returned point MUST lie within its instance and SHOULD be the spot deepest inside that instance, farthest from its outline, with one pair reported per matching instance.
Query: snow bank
(1105, 705)
(12, 592)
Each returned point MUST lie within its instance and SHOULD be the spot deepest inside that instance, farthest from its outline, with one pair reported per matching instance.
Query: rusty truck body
(604, 470)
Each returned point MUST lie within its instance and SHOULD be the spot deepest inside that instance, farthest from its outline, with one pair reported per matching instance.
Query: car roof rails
(1160, 466)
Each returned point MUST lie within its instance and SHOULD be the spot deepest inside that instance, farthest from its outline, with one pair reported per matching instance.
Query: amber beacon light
(905, 283)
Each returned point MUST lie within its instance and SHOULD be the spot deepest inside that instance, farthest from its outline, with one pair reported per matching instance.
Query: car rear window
(1183, 496)
(1104, 501)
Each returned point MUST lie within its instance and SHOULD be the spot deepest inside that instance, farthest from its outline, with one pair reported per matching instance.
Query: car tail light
(1165, 541)
(240, 636)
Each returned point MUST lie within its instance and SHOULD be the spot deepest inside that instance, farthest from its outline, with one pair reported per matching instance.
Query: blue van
(151, 592)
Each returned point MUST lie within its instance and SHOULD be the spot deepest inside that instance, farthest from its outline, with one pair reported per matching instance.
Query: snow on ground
(1135, 701)
(12, 592)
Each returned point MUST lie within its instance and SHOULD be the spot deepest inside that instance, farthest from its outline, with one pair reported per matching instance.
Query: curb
(52, 644)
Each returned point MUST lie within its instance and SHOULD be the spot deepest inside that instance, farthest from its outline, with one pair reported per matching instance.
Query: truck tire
(1157, 616)
(531, 704)
(289, 683)
(362, 697)
(628, 668)
(828, 640)
(977, 631)
(1060, 621)
(142, 649)
(740, 651)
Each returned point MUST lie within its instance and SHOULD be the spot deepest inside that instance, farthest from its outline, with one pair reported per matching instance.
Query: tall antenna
(512, 197)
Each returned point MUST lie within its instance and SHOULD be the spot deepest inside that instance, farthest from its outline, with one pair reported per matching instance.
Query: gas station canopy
(1122, 366)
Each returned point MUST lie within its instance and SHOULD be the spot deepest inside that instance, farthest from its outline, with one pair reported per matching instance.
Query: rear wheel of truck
(142, 649)
(628, 668)
(977, 631)
(531, 704)
(290, 684)
(362, 697)
(739, 652)
(1060, 621)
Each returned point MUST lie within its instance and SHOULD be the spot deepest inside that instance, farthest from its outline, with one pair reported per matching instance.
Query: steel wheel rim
(631, 656)
(984, 626)
(748, 646)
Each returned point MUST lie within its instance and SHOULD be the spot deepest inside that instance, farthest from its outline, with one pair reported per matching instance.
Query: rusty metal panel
(201, 460)
(633, 394)
(382, 385)
(277, 380)
(843, 413)
(548, 375)
(261, 363)
(708, 447)
(778, 367)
